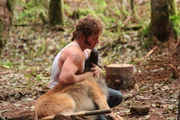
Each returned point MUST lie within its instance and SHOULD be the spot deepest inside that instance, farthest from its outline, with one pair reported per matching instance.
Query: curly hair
(88, 26)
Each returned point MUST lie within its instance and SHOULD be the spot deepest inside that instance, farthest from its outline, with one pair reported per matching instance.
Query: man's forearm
(72, 79)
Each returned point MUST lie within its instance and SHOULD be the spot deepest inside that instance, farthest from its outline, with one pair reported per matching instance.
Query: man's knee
(115, 97)
(119, 97)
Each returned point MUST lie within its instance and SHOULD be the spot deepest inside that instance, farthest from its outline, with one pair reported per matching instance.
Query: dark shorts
(115, 98)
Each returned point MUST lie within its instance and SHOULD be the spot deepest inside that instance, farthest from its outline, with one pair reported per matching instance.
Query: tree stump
(120, 76)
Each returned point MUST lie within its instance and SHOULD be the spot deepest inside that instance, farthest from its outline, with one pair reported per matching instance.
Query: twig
(151, 51)
(176, 45)
(3, 111)
(89, 5)
(127, 20)
(25, 25)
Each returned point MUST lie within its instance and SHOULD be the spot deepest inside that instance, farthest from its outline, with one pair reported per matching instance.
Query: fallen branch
(151, 51)
(175, 74)
(83, 113)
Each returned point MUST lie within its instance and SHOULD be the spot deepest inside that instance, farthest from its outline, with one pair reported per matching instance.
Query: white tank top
(55, 71)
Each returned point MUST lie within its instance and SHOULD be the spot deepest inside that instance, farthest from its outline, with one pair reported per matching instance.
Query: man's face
(92, 40)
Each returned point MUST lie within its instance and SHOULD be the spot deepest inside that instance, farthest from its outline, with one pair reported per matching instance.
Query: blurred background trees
(56, 12)
(5, 21)
(126, 21)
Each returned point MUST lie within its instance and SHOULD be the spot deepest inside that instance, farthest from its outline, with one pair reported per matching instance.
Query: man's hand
(96, 70)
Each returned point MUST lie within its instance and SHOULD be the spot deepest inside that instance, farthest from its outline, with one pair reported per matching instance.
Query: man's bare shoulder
(74, 53)
(73, 49)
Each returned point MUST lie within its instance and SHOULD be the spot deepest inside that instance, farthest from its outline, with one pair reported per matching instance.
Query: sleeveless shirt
(55, 71)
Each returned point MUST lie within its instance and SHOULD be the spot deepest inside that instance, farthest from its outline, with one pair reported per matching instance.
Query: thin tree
(161, 26)
(56, 13)
(5, 21)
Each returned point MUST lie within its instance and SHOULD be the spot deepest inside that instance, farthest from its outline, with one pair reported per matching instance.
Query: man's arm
(69, 70)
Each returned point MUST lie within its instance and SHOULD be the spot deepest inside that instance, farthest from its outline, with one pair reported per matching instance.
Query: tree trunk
(56, 13)
(120, 76)
(172, 7)
(160, 27)
(134, 14)
(173, 12)
(5, 21)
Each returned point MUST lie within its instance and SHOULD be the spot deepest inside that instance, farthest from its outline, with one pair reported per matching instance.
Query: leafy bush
(175, 20)
(32, 12)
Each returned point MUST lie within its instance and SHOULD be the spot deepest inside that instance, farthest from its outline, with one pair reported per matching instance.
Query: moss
(10, 5)
(172, 7)
(10, 9)
(1, 28)
(1, 34)
(56, 13)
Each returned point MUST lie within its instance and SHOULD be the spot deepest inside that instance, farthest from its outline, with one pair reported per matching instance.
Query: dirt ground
(156, 90)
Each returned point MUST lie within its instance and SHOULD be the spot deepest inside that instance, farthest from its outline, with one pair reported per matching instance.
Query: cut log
(120, 76)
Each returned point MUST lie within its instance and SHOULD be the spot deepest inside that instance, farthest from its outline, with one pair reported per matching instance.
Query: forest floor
(156, 89)
(22, 80)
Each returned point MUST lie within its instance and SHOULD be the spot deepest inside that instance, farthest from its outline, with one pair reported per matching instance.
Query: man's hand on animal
(96, 70)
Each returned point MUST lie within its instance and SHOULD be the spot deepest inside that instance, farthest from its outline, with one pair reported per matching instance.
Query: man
(69, 64)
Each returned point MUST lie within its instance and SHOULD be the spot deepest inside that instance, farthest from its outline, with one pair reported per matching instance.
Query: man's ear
(82, 36)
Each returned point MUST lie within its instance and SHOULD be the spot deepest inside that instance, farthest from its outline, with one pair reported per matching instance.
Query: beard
(87, 42)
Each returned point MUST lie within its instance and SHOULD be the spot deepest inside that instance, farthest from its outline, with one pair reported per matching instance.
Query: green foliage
(1, 34)
(1, 29)
(7, 64)
(67, 9)
(144, 34)
(101, 2)
(175, 20)
(100, 5)
(84, 12)
(33, 12)
(10, 5)
(38, 77)
(109, 16)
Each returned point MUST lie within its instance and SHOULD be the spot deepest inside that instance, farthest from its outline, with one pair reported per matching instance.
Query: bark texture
(5, 21)
(56, 12)
(160, 26)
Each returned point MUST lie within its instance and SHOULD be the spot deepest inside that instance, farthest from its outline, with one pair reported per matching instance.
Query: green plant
(175, 20)
(1, 32)
(7, 64)
(144, 34)
(100, 5)
(32, 12)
